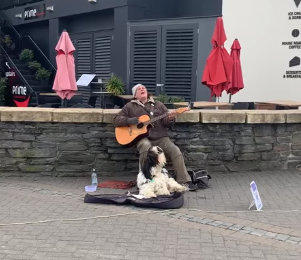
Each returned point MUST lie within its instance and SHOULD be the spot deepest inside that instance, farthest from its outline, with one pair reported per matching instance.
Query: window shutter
(179, 59)
(83, 56)
(102, 56)
(145, 56)
(83, 60)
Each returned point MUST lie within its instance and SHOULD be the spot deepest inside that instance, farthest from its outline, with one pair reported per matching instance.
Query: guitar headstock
(183, 109)
(190, 104)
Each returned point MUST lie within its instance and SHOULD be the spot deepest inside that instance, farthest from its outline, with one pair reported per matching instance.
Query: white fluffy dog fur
(153, 179)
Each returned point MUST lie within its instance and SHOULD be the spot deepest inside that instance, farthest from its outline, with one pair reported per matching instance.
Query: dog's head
(156, 155)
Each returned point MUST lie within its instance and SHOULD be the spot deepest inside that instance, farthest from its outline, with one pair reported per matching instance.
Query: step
(14, 57)
(52, 99)
(28, 71)
(41, 89)
(29, 77)
(33, 82)
(18, 62)
(23, 67)
(24, 71)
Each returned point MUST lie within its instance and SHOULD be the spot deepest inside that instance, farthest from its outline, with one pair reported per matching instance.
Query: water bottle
(94, 178)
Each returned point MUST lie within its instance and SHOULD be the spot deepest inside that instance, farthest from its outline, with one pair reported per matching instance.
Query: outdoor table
(102, 92)
(48, 94)
(129, 97)
(282, 104)
(102, 97)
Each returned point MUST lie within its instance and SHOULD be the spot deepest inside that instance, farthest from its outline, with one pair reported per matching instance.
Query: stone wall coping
(86, 115)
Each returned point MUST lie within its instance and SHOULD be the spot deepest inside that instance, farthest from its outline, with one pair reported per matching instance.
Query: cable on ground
(89, 218)
(143, 213)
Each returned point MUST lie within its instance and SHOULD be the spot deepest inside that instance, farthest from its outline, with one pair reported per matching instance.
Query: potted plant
(34, 66)
(115, 86)
(3, 85)
(26, 56)
(43, 76)
(10, 46)
(169, 100)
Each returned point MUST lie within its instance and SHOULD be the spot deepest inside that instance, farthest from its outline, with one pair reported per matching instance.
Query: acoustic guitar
(129, 136)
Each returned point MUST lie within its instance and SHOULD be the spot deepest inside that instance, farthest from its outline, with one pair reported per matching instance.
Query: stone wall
(64, 149)
(71, 142)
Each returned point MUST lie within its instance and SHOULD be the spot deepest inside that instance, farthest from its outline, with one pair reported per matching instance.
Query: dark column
(136, 13)
(53, 38)
(1, 64)
(119, 44)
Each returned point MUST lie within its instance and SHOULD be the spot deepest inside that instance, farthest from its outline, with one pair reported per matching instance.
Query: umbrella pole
(230, 98)
(64, 103)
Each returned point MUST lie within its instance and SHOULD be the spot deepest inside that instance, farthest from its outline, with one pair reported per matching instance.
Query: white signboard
(269, 33)
(85, 80)
(256, 197)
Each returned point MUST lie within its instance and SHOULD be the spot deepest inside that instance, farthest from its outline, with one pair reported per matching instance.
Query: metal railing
(8, 29)
(26, 42)
(29, 43)
(11, 63)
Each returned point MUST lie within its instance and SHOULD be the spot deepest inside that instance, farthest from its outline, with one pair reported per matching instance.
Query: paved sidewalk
(213, 224)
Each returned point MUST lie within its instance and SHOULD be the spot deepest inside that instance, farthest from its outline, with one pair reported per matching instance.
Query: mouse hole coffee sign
(34, 12)
(18, 95)
(293, 67)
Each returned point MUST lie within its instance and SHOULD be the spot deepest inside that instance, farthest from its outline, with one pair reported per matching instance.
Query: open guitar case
(173, 201)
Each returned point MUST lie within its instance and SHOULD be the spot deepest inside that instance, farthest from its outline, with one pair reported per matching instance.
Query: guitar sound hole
(140, 125)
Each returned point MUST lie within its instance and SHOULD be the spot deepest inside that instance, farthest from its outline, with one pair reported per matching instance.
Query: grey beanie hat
(134, 89)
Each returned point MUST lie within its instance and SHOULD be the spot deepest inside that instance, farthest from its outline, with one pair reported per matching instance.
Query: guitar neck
(156, 119)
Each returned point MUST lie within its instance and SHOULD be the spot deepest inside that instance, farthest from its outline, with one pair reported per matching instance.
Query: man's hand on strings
(172, 115)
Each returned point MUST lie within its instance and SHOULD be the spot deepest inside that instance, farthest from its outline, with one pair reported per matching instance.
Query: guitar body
(129, 136)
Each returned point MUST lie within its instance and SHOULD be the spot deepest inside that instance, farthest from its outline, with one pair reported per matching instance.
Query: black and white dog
(153, 179)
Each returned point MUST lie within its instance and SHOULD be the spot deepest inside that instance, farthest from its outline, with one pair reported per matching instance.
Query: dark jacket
(136, 109)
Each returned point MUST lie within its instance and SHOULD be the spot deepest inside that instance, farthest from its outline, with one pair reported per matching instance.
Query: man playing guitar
(144, 104)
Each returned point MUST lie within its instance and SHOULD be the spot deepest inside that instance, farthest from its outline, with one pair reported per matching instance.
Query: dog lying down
(153, 180)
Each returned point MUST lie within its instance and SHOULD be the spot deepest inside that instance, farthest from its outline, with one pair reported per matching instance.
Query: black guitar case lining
(173, 201)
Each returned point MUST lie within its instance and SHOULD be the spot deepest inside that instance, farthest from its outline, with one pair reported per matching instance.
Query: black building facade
(154, 42)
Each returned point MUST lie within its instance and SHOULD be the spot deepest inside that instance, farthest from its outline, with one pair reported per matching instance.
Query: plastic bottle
(94, 178)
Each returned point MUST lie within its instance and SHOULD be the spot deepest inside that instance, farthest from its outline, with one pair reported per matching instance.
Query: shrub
(34, 65)
(42, 74)
(7, 40)
(26, 55)
(3, 85)
(169, 99)
(115, 85)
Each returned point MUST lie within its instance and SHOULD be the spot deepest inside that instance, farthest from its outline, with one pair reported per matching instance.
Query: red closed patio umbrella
(65, 82)
(237, 80)
(217, 74)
